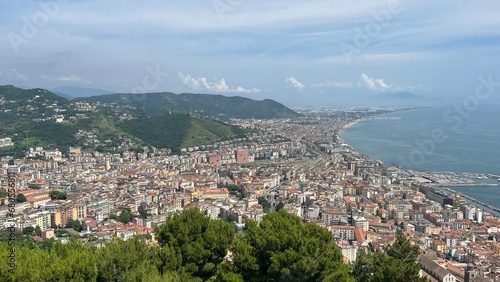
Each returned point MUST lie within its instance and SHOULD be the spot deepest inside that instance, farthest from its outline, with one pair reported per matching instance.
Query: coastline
(493, 210)
(473, 201)
(349, 124)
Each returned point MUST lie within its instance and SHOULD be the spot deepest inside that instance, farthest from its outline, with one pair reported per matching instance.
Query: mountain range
(215, 106)
(38, 117)
(72, 92)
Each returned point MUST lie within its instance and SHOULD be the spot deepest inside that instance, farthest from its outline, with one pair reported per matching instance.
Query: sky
(300, 53)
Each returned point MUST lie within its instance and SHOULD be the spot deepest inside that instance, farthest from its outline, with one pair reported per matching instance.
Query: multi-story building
(242, 156)
(41, 219)
(339, 232)
(348, 251)
(218, 193)
(361, 223)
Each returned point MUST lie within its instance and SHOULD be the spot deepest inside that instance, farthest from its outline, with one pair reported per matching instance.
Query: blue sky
(297, 52)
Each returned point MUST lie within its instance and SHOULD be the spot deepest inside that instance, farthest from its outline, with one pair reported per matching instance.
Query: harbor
(472, 200)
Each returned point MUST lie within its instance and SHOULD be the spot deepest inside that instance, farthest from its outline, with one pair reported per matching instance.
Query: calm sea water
(435, 139)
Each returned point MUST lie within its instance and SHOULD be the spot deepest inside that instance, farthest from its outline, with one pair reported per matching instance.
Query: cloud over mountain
(295, 83)
(202, 84)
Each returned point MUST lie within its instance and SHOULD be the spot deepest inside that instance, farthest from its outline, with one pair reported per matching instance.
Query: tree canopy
(75, 224)
(193, 243)
(193, 247)
(54, 194)
(264, 203)
(282, 248)
(397, 262)
(20, 198)
(125, 216)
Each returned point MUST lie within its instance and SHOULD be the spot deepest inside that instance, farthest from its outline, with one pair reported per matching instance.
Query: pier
(474, 200)
(493, 176)
(468, 184)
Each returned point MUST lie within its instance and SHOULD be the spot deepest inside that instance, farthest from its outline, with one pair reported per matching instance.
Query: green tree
(72, 262)
(20, 198)
(194, 244)
(282, 248)
(38, 231)
(398, 262)
(57, 195)
(29, 230)
(130, 260)
(125, 216)
(265, 204)
(279, 206)
(143, 212)
(75, 224)
(232, 217)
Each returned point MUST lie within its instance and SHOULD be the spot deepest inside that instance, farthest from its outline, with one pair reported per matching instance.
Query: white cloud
(333, 84)
(295, 83)
(69, 78)
(379, 85)
(202, 84)
(374, 84)
(14, 74)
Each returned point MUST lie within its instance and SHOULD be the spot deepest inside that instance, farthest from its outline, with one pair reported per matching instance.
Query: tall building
(479, 216)
(242, 156)
(361, 223)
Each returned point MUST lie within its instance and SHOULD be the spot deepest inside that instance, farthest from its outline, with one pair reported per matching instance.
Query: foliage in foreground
(193, 247)
(398, 261)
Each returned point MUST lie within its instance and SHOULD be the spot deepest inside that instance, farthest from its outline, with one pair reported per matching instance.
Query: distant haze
(79, 92)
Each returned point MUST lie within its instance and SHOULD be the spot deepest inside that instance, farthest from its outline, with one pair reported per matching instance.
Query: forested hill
(200, 104)
(11, 96)
(176, 131)
(38, 117)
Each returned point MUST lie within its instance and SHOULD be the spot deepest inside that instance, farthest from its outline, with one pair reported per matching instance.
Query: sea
(458, 139)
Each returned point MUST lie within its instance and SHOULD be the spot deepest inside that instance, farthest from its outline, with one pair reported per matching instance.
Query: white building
(479, 216)
(348, 251)
(361, 223)
(4, 142)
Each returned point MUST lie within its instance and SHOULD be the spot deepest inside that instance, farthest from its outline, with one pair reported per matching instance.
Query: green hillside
(199, 104)
(37, 117)
(179, 130)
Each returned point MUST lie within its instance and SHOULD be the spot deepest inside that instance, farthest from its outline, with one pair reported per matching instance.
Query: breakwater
(493, 176)
(470, 184)
(472, 199)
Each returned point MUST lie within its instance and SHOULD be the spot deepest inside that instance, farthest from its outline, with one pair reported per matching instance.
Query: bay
(435, 139)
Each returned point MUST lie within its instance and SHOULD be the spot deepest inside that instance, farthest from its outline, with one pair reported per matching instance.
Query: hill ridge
(209, 105)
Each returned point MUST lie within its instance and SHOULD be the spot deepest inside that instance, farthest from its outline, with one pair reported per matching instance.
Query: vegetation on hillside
(398, 261)
(179, 130)
(28, 117)
(199, 104)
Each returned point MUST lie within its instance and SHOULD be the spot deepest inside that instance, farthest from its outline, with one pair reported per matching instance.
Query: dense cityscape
(299, 165)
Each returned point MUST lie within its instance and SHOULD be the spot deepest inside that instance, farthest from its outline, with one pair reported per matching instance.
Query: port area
(473, 200)
(450, 179)
(497, 177)
(442, 184)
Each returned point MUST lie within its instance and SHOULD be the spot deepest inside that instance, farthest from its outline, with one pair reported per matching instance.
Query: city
(300, 165)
